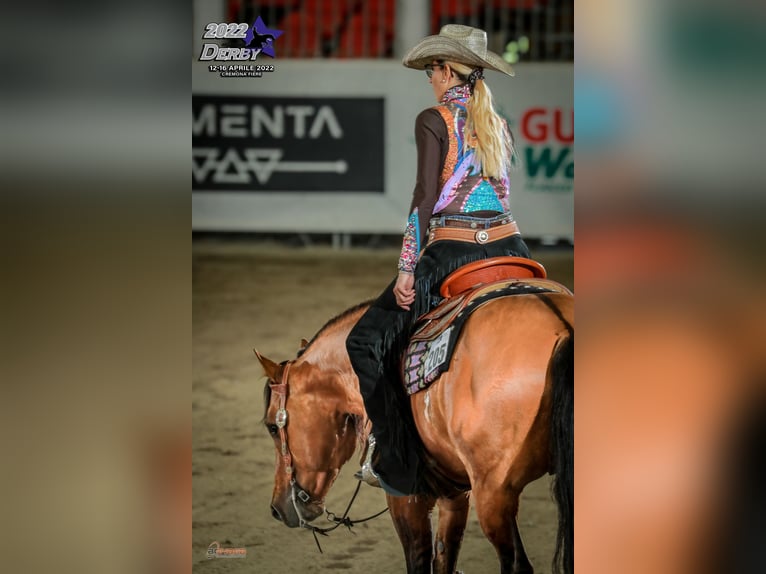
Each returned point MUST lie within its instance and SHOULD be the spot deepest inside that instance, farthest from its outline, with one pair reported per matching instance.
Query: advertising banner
(546, 147)
(287, 144)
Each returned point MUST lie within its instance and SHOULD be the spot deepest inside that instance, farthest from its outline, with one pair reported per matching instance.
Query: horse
(499, 418)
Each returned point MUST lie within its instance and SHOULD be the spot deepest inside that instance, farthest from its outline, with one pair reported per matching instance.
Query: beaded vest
(463, 189)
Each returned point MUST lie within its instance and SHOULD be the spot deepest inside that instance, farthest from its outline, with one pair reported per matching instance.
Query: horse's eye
(273, 429)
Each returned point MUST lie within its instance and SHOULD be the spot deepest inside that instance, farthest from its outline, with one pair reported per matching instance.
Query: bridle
(280, 388)
(287, 458)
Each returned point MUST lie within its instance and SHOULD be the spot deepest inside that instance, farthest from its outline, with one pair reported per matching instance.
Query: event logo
(215, 551)
(548, 156)
(257, 39)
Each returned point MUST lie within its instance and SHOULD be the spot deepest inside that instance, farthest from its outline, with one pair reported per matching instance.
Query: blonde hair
(484, 129)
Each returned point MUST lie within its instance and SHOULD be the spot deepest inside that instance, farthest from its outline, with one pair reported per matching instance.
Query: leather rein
(281, 390)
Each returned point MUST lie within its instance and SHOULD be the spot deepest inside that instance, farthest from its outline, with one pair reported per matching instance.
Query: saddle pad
(431, 346)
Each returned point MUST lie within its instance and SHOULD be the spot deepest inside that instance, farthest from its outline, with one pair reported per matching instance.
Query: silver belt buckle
(482, 236)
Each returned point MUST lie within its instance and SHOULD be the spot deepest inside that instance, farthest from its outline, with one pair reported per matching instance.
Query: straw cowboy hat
(462, 44)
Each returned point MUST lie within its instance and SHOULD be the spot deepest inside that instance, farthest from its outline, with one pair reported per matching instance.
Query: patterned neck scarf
(461, 92)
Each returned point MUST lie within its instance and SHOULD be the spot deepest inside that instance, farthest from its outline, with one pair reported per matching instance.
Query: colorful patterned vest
(463, 189)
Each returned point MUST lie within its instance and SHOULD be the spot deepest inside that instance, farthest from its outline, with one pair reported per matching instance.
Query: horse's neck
(328, 353)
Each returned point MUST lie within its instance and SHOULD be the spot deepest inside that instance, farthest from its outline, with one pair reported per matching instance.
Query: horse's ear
(304, 343)
(270, 368)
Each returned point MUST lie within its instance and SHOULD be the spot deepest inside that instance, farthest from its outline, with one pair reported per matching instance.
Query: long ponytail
(484, 129)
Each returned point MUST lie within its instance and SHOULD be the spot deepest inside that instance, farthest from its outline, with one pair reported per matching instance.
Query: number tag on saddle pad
(425, 361)
(437, 352)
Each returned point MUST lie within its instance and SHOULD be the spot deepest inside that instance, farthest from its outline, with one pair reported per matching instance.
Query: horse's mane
(334, 321)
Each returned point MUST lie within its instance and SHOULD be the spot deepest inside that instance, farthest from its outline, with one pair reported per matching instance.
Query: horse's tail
(562, 443)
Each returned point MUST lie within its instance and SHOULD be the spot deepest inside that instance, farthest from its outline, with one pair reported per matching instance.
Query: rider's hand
(403, 290)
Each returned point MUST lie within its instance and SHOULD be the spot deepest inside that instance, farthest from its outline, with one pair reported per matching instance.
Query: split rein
(343, 520)
(281, 421)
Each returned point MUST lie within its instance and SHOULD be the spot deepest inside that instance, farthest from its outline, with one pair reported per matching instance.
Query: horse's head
(315, 427)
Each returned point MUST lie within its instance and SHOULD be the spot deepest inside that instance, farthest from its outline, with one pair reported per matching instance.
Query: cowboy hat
(458, 43)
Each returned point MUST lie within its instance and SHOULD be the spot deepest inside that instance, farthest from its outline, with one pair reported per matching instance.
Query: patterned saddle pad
(435, 334)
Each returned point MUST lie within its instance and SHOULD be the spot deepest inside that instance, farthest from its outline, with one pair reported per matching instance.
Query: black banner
(287, 144)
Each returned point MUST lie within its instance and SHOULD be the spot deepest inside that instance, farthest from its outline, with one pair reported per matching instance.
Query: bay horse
(499, 418)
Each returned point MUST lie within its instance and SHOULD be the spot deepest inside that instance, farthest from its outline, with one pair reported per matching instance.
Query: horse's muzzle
(291, 513)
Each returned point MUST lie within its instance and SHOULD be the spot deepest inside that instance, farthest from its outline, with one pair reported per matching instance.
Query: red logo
(541, 124)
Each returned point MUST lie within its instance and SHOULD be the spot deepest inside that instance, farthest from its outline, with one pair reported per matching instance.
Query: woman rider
(464, 153)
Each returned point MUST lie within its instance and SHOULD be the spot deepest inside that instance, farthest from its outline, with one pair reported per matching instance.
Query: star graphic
(264, 37)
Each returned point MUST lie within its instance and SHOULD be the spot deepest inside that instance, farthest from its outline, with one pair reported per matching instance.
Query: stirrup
(366, 473)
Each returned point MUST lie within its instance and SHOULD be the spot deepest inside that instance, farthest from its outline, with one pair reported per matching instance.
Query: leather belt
(471, 235)
(446, 221)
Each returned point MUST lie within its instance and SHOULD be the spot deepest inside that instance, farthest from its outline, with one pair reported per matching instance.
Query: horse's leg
(497, 509)
(521, 562)
(453, 515)
(412, 521)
